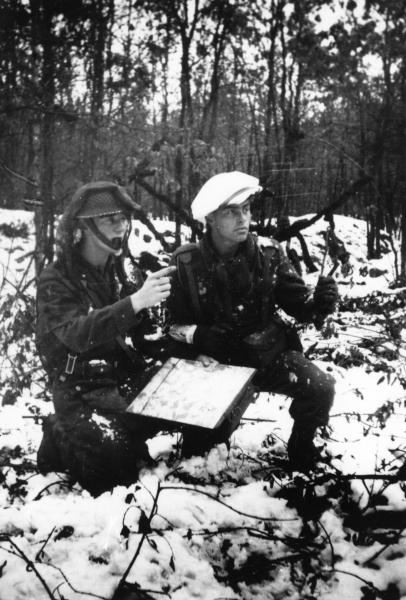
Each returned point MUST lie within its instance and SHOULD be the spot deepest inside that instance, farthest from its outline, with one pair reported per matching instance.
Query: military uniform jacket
(80, 313)
(243, 292)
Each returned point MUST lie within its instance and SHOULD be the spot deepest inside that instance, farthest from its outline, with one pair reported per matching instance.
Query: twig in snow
(379, 552)
(360, 414)
(75, 590)
(239, 512)
(368, 583)
(350, 476)
(68, 583)
(41, 550)
(60, 482)
(330, 543)
(258, 420)
(30, 564)
(122, 583)
(156, 513)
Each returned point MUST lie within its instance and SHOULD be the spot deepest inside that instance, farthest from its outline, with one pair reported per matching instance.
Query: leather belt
(88, 368)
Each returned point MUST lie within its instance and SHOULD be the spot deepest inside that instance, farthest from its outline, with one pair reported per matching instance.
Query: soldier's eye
(227, 212)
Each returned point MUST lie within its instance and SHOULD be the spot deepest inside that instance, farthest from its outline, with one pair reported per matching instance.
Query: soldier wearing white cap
(224, 189)
(223, 306)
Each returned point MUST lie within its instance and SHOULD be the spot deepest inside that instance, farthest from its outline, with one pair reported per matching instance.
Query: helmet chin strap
(105, 240)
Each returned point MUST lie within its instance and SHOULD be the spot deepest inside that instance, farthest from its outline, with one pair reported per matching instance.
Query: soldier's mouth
(116, 243)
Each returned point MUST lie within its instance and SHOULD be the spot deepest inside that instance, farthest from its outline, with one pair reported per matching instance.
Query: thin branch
(258, 420)
(30, 566)
(60, 482)
(333, 556)
(41, 550)
(385, 547)
(122, 582)
(142, 217)
(368, 583)
(68, 583)
(294, 229)
(185, 217)
(17, 175)
(239, 512)
(354, 476)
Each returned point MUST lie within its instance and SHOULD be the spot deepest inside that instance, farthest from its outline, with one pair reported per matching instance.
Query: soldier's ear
(209, 219)
(81, 224)
(79, 230)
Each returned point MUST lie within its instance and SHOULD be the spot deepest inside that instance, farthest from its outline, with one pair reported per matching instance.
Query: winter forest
(159, 95)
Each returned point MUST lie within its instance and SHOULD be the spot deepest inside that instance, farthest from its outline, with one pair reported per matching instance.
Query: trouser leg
(96, 450)
(311, 389)
(100, 452)
(95, 440)
(312, 393)
(48, 455)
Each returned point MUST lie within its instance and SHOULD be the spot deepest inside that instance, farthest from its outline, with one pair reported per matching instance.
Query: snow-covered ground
(232, 524)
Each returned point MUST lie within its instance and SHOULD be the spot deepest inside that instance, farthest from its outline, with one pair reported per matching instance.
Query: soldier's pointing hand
(155, 289)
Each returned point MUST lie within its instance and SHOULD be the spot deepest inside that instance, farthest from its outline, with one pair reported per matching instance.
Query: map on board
(186, 392)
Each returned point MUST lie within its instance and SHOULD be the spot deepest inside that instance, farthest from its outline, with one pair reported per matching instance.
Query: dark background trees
(159, 95)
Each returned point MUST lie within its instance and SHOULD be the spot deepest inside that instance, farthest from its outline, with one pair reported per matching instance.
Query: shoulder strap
(268, 275)
(184, 257)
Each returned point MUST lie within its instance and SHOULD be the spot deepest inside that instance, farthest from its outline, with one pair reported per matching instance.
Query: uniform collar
(84, 267)
(248, 249)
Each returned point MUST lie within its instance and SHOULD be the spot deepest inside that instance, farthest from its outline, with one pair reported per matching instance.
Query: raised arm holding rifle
(88, 310)
(223, 304)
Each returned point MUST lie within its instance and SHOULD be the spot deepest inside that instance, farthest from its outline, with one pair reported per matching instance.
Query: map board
(186, 392)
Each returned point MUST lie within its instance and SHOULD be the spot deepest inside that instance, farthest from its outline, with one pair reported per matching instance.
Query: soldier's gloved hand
(212, 340)
(291, 287)
(325, 296)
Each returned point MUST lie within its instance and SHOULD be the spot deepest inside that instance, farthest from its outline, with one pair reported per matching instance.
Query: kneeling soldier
(86, 306)
(223, 305)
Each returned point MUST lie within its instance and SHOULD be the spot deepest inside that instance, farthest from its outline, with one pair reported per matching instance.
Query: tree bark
(42, 19)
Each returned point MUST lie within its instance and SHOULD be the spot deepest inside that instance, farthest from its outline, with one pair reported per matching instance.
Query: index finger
(207, 361)
(163, 272)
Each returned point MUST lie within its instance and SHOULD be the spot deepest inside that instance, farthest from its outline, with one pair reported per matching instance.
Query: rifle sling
(186, 259)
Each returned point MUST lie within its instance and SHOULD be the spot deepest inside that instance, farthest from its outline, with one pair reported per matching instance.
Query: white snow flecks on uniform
(104, 425)
(293, 377)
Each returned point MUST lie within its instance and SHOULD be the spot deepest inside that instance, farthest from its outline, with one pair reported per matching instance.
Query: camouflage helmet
(94, 199)
(101, 198)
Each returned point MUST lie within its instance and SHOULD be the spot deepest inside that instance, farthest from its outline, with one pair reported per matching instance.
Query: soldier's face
(231, 223)
(112, 225)
(114, 228)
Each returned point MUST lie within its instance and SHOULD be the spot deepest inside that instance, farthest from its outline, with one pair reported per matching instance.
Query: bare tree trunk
(42, 14)
(402, 162)
(183, 152)
(99, 38)
(402, 270)
(165, 76)
(270, 107)
(210, 111)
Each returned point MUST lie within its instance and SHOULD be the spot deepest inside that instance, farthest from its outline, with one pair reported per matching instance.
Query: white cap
(222, 190)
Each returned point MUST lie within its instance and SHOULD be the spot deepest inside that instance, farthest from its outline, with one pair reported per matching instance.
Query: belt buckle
(100, 367)
(70, 364)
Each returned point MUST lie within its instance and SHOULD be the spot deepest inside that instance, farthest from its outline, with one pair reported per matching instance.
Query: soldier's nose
(120, 224)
